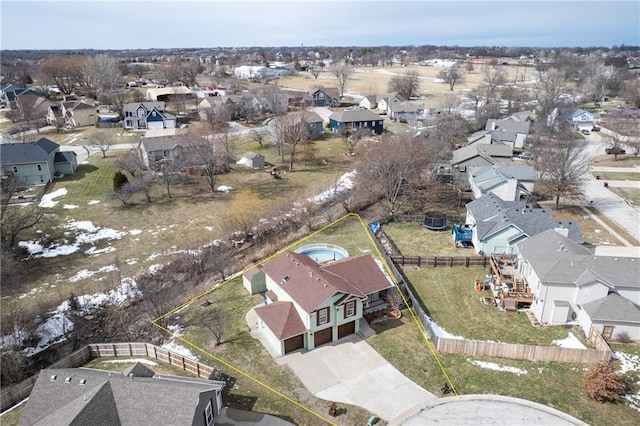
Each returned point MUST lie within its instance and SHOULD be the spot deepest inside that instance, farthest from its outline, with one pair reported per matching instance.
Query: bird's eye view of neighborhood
(319, 212)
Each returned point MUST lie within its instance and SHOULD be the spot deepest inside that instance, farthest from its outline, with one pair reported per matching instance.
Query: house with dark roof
(570, 284)
(147, 115)
(157, 150)
(498, 225)
(314, 122)
(356, 118)
(510, 183)
(510, 132)
(325, 97)
(137, 396)
(36, 163)
(308, 304)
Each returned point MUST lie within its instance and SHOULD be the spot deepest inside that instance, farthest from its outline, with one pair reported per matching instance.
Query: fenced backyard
(471, 347)
(18, 392)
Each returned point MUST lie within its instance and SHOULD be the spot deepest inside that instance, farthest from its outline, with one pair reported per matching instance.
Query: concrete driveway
(352, 372)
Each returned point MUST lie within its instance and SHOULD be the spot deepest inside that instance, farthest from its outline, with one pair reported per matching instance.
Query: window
(39, 167)
(323, 316)
(586, 290)
(350, 309)
(15, 169)
(208, 414)
(41, 179)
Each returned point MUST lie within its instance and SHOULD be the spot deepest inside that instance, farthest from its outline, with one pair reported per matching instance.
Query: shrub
(623, 337)
(602, 383)
(119, 180)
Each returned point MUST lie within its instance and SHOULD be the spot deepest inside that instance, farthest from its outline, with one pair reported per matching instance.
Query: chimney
(131, 376)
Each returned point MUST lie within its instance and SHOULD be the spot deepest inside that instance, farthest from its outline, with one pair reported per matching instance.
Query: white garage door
(154, 125)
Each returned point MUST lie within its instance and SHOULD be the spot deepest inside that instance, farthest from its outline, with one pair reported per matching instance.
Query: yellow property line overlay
(266, 386)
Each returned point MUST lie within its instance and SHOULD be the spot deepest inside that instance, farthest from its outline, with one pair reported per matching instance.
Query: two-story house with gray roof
(137, 396)
(147, 115)
(509, 132)
(36, 163)
(356, 118)
(570, 284)
(498, 225)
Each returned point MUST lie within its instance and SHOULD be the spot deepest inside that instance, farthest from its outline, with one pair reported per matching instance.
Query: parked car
(585, 132)
(595, 129)
(615, 150)
(525, 156)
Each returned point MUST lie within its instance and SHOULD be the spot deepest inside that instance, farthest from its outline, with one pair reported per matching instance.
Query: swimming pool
(321, 253)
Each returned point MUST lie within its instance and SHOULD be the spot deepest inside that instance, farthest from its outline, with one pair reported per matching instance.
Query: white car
(525, 156)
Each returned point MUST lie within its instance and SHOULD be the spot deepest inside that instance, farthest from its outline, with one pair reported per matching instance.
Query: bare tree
(391, 169)
(209, 158)
(66, 72)
(393, 299)
(17, 219)
(216, 323)
(451, 76)
(102, 140)
(101, 74)
(143, 184)
(547, 90)
(342, 71)
(622, 132)
(562, 166)
(494, 77)
(406, 85)
(288, 132)
(139, 70)
(133, 163)
(351, 136)
(242, 215)
(259, 136)
(315, 72)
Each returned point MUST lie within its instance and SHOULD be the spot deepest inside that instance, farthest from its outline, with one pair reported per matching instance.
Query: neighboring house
(147, 115)
(369, 102)
(31, 105)
(478, 155)
(575, 118)
(356, 118)
(84, 396)
(407, 111)
(54, 116)
(8, 93)
(325, 97)
(310, 304)
(510, 183)
(314, 122)
(569, 283)
(511, 132)
(480, 137)
(249, 71)
(253, 160)
(384, 102)
(164, 93)
(36, 163)
(498, 226)
(78, 114)
(161, 149)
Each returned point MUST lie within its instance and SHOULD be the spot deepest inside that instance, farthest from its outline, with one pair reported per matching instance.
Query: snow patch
(497, 367)
(128, 361)
(571, 341)
(91, 202)
(47, 200)
(224, 188)
(85, 273)
(345, 182)
(135, 232)
(177, 330)
(70, 206)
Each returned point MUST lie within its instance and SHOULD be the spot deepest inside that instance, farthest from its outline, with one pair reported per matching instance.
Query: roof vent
(131, 376)
(615, 258)
(53, 378)
(286, 278)
(67, 380)
(83, 381)
(310, 274)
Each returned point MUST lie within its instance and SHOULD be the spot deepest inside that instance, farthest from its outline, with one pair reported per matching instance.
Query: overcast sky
(140, 24)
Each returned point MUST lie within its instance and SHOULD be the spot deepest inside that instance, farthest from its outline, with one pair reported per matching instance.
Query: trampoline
(435, 221)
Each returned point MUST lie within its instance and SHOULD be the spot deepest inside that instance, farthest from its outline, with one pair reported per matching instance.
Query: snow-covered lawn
(176, 347)
(47, 200)
(571, 341)
(497, 367)
(630, 363)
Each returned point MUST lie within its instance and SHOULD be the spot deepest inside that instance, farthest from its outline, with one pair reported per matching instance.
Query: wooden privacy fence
(442, 261)
(518, 351)
(420, 218)
(21, 390)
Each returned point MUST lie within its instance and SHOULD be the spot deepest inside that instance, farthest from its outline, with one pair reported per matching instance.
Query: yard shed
(253, 160)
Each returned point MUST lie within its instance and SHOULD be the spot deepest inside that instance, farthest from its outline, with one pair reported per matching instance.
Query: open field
(372, 80)
(152, 233)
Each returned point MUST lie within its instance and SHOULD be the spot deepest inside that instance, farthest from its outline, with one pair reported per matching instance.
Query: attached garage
(346, 329)
(294, 343)
(321, 337)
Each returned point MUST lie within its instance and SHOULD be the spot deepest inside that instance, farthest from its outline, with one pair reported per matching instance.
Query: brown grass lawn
(632, 195)
(368, 80)
(619, 175)
(626, 160)
(592, 232)
(412, 239)
(154, 231)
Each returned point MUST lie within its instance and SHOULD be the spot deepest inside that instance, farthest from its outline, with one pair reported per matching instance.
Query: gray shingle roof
(27, 152)
(157, 143)
(487, 177)
(556, 258)
(614, 308)
(112, 398)
(487, 151)
(508, 126)
(497, 214)
(354, 116)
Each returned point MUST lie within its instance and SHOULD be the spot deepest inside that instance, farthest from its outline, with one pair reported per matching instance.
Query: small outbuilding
(253, 160)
